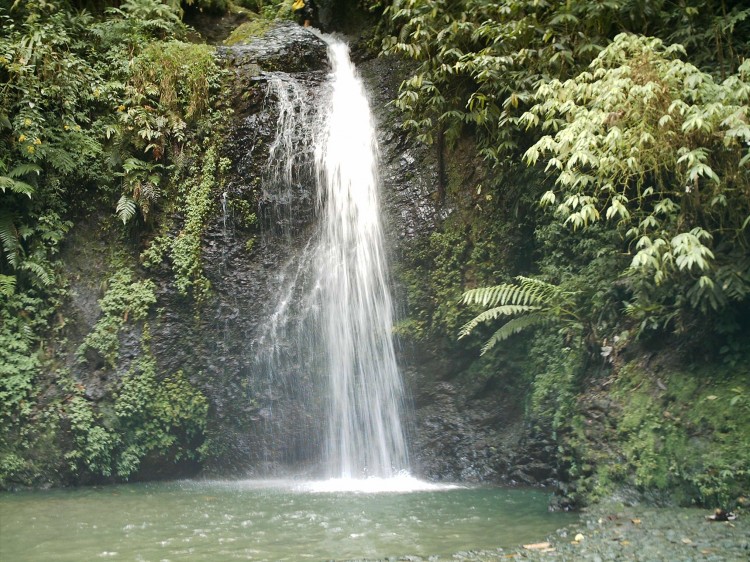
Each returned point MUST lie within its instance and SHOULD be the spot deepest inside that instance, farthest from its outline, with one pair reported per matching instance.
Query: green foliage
(142, 184)
(125, 300)
(683, 436)
(244, 213)
(97, 109)
(137, 22)
(210, 6)
(555, 369)
(165, 417)
(440, 261)
(27, 440)
(29, 452)
(94, 444)
(481, 240)
(197, 197)
(22, 317)
(481, 61)
(45, 107)
(170, 87)
(646, 158)
(658, 149)
(177, 79)
(149, 417)
(532, 302)
(186, 248)
(248, 30)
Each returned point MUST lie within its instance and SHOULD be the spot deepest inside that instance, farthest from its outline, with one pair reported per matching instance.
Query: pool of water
(266, 520)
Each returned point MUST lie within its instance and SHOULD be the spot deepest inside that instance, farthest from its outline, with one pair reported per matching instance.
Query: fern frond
(493, 314)
(487, 296)
(528, 291)
(514, 326)
(9, 238)
(15, 186)
(61, 160)
(537, 290)
(125, 209)
(7, 285)
(38, 270)
(23, 169)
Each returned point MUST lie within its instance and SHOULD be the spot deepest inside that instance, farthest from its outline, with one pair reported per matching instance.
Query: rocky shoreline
(612, 532)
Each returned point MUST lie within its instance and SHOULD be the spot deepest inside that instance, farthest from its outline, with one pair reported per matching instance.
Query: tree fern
(514, 326)
(531, 302)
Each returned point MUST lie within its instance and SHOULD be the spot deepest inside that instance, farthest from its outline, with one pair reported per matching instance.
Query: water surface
(264, 520)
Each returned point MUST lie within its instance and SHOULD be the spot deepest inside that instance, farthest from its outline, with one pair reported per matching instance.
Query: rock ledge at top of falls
(284, 46)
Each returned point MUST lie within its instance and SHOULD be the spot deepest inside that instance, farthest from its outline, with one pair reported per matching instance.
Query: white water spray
(334, 315)
(365, 435)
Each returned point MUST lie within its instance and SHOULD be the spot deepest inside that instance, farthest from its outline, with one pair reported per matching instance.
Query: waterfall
(333, 313)
(365, 436)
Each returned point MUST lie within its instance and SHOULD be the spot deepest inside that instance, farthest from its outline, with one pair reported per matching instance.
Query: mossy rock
(248, 31)
(276, 46)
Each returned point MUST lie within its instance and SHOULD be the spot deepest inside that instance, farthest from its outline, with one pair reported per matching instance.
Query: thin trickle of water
(289, 153)
(333, 314)
(224, 214)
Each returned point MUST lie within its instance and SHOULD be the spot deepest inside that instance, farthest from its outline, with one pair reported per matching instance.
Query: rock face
(261, 425)
(284, 47)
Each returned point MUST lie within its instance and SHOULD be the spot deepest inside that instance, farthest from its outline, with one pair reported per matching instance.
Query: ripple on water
(280, 520)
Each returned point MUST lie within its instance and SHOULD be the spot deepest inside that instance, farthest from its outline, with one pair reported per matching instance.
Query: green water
(216, 521)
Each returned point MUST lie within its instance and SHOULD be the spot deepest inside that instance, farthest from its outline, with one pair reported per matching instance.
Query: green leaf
(7, 285)
(514, 326)
(126, 209)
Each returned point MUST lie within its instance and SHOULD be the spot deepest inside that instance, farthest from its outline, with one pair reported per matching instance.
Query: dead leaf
(537, 546)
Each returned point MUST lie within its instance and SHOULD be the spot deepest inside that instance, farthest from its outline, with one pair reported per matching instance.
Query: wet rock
(283, 46)
(408, 169)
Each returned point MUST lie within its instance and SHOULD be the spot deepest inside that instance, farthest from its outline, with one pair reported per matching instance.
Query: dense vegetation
(103, 105)
(617, 132)
(601, 236)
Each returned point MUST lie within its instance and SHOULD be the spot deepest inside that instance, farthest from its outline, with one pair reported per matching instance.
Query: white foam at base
(397, 484)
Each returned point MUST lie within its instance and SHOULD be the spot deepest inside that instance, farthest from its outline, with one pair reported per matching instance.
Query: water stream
(333, 313)
(365, 436)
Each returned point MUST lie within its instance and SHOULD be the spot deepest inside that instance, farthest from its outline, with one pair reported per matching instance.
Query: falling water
(334, 309)
(365, 436)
